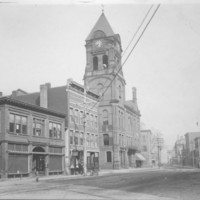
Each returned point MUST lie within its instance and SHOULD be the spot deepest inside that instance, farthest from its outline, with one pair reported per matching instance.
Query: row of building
(187, 150)
(75, 128)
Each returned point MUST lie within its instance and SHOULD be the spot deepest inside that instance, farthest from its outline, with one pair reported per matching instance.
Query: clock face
(98, 43)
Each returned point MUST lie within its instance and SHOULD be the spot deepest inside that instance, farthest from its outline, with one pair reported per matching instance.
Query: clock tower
(103, 75)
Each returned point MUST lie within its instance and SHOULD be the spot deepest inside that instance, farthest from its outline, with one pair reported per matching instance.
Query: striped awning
(139, 157)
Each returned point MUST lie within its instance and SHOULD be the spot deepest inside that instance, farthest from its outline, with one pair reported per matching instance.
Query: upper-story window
(95, 63)
(120, 92)
(17, 124)
(76, 113)
(105, 139)
(55, 130)
(105, 61)
(105, 117)
(38, 127)
(71, 115)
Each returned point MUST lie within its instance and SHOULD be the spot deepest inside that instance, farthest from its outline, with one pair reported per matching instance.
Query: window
(87, 119)
(100, 89)
(109, 156)
(91, 120)
(105, 139)
(81, 138)
(105, 117)
(76, 116)
(71, 136)
(98, 34)
(71, 115)
(105, 61)
(81, 117)
(55, 130)
(92, 140)
(38, 127)
(96, 140)
(95, 121)
(17, 124)
(95, 63)
(76, 138)
(88, 139)
(144, 148)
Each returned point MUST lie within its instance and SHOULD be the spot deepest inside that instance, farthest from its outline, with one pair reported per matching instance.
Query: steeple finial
(102, 6)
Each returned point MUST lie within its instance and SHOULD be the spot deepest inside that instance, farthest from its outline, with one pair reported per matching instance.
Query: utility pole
(159, 144)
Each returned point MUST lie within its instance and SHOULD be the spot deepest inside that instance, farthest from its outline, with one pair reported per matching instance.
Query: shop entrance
(38, 161)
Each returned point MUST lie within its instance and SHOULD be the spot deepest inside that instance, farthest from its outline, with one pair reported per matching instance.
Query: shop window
(106, 139)
(95, 63)
(55, 130)
(105, 61)
(109, 156)
(17, 124)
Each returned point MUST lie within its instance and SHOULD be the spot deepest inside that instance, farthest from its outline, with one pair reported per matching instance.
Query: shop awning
(140, 157)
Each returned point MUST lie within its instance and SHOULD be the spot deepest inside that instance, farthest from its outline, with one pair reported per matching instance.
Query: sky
(44, 42)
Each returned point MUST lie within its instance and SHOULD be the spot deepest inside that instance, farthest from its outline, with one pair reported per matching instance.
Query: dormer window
(105, 61)
(95, 63)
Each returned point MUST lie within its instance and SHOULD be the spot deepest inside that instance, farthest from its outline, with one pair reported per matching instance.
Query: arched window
(95, 63)
(105, 61)
(109, 156)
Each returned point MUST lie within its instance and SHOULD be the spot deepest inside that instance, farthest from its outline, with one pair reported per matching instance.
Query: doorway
(38, 161)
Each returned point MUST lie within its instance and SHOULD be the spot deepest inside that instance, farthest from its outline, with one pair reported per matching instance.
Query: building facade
(190, 148)
(31, 139)
(119, 119)
(82, 128)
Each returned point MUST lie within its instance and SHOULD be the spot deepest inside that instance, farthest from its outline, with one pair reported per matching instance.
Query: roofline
(14, 102)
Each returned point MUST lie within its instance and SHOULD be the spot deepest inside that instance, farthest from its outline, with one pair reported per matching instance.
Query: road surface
(163, 184)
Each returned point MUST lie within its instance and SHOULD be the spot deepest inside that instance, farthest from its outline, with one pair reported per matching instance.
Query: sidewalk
(53, 177)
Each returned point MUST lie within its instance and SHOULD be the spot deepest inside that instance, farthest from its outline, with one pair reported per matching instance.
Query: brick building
(31, 139)
(119, 119)
(69, 99)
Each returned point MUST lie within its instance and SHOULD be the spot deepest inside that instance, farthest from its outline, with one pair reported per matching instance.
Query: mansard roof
(132, 106)
(103, 25)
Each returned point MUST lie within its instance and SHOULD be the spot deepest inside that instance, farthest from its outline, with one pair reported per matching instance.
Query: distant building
(31, 139)
(145, 141)
(197, 151)
(119, 119)
(190, 148)
(180, 151)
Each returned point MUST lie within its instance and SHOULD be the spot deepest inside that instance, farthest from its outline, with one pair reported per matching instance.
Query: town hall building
(119, 119)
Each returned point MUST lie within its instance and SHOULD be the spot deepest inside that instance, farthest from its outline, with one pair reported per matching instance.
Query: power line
(129, 52)
(138, 29)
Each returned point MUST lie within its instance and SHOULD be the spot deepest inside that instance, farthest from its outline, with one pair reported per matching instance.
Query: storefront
(92, 161)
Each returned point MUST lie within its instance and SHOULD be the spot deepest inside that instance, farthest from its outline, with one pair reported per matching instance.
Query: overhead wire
(118, 71)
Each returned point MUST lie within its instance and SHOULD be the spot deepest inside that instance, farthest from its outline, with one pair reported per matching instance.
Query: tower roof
(101, 25)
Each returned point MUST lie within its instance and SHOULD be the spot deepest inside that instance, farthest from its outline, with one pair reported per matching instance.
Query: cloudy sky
(42, 42)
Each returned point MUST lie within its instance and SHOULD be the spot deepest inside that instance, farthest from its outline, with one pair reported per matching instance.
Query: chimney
(44, 95)
(134, 94)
